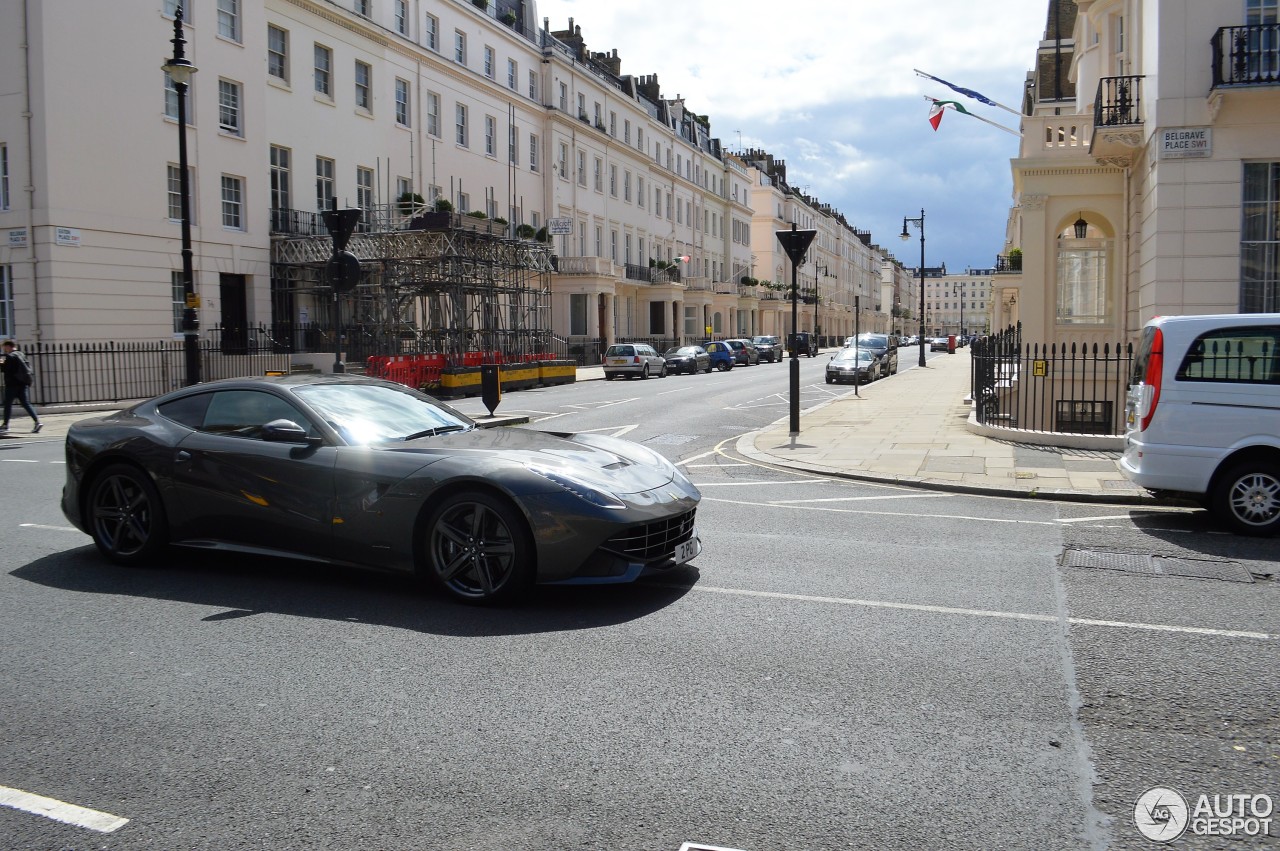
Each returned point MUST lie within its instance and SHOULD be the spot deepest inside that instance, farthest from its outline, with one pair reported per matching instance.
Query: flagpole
(970, 93)
(979, 117)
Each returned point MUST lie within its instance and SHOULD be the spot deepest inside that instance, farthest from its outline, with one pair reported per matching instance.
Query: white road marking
(677, 390)
(52, 808)
(20, 460)
(49, 528)
(733, 464)
(756, 484)
(616, 431)
(862, 498)
(981, 613)
(783, 504)
(1120, 516)
(715, 451)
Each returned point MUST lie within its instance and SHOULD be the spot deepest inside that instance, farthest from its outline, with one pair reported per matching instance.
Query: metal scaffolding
(447, 290)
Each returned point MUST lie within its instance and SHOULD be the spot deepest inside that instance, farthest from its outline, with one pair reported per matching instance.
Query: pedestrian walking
(17, 378)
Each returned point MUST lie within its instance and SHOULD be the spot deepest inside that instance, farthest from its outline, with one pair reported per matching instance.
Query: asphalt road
(847, 665)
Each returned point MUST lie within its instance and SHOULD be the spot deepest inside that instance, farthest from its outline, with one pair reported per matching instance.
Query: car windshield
(875, 341)
(615, 351)
(767, 341)
(683, 350)
(376, 413)
(850, 355)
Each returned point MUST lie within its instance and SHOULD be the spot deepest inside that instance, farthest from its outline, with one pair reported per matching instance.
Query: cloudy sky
(828, 86)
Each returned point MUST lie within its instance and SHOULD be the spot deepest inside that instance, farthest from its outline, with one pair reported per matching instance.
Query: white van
(1203, 415)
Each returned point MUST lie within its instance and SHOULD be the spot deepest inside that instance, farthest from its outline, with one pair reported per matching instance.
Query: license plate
(619, 361)
(686, 551)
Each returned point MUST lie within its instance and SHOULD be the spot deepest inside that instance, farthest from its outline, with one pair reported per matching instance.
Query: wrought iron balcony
(1246, 56)
(1118, 102)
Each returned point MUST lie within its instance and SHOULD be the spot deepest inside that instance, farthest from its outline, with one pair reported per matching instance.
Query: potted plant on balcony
(509, 18)
(525, 232)
(435, 219)
(1015, 260)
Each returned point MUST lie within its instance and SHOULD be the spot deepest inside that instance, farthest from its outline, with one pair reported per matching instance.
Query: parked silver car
(633, 359)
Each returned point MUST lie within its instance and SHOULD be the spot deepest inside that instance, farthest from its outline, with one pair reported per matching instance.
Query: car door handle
(182, 455)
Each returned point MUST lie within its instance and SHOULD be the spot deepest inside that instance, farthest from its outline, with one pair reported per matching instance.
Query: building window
(280, 178)
(613, 180)
(324, 70)
(364, 188)
(402, 17)
(170, 9)
(433, 114)
(562, 164)
(324, 183)
(464, 202)
(513, 146)
(278, 53)
(460, 47)
(513, 74)
(4, 177)
(613, 124)
(361, 7)
(597, 175)
(533, 85)
(533, 152)
(229, 19)
(232, 202)
(582, 168)
(640, 194)
(1260, 239)
(432, 32)
(177, 299)
(626, 186)
(404, 186)
(229, 108)
(171, 100)
(578, 314)
(364, 82)
(460, 124)
(564, 98)
(175, 193)
(402, 102)
(490, 130)
(488, 61)
(1083, 294)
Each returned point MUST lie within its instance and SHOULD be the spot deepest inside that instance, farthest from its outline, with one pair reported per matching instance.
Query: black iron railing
(1246, 56)
(1008, 263)
(1063, 388)
(68, 373)
(1118, 102)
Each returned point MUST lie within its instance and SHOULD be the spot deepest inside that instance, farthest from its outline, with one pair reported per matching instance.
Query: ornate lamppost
(180, 69)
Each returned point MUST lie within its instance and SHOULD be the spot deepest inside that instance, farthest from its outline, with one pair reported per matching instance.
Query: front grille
(653, 540)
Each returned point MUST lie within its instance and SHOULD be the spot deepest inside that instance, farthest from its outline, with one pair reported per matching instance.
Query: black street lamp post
(905, 236)
(180, 69)
(796, 244)
(958, 289)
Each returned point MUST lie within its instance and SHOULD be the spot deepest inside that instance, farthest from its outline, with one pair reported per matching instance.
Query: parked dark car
(722, 356)
(803, 343)
(351, 470)
(744, 353)
(770, 348)
(853, 365)
(883, 346)
(938, 344)
(690, 359)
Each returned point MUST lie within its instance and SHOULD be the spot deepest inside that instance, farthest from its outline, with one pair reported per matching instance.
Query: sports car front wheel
(126, 519)
(478, 549)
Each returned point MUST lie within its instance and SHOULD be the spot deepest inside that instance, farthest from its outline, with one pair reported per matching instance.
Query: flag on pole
(937, 108)
(970, 93)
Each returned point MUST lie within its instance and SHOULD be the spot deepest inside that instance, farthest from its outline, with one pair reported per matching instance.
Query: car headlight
(582, 490)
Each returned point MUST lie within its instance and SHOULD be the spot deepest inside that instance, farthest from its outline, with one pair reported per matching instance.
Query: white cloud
(829, 87)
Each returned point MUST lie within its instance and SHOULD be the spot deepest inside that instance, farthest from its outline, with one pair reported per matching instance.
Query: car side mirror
(286, 431)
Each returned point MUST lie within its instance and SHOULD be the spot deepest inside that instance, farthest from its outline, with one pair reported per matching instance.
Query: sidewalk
(914, 429)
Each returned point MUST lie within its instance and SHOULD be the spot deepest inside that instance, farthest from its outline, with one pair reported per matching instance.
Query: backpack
(25, 375)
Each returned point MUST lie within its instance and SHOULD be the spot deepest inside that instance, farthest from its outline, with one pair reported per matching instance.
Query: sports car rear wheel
(478, 549)
(126, 519)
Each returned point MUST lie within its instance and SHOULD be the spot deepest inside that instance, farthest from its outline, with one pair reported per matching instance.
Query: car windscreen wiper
(432, 432)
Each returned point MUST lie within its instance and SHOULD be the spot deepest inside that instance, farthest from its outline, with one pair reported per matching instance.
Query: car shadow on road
(1198, 532)
(239, 586)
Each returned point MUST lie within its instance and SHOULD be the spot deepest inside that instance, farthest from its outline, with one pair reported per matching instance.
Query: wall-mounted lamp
(1082, 227)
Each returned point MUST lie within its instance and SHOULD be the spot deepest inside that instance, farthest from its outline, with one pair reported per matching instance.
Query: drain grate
(1156, 565)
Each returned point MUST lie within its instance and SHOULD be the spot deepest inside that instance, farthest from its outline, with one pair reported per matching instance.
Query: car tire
(1246, 497)
(830, 380)
(724, 366)
(609, 376)
(478, 550)
(662, 371)
(126, 517)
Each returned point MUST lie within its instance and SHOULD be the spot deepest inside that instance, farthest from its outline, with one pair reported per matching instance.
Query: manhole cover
(1156, 565)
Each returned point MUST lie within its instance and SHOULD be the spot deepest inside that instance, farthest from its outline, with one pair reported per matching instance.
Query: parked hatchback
(690, 359)
(633, 359)
(744, 353)
(1203, 415)
(722, 357)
